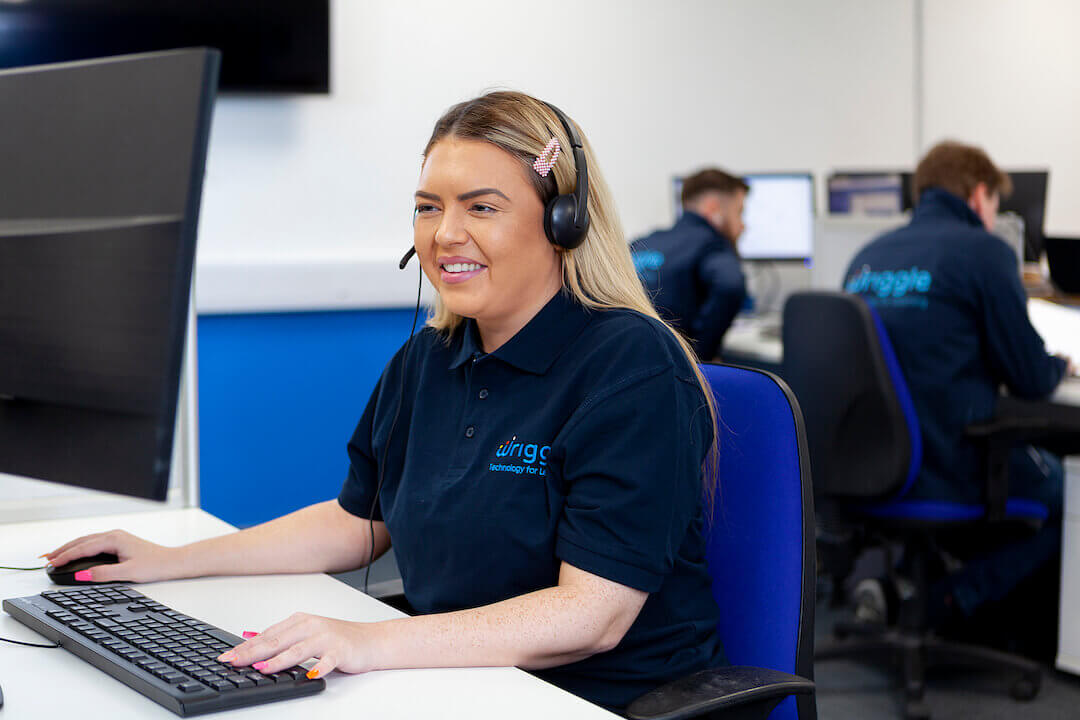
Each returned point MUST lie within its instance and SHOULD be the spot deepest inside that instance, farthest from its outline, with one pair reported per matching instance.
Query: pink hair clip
(546, 160)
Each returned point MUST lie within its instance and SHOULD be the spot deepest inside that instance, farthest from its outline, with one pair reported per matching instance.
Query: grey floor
(870, 691)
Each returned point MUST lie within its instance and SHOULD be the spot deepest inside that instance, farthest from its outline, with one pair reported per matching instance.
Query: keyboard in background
(167, 656)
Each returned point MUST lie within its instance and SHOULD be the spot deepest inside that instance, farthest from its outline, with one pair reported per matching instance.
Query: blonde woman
(534, 455)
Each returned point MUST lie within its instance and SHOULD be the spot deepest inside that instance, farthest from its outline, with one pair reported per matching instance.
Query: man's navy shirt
(950, 297)
(581, 439)
(693, 276)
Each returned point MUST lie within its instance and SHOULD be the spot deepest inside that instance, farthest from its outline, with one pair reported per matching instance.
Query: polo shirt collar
(536, 346)
(937, 202)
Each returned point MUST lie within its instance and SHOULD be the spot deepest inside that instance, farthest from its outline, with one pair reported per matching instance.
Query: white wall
(1006, 75)
(659, 88)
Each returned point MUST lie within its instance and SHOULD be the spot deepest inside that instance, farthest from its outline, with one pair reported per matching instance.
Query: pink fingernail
(84, 576)
(248, 634)
(260, 665)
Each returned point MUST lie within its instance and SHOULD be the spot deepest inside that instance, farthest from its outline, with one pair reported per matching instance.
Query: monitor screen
(779, 217)
(1028, 200)
(99, 199)
(266, 45)
(778, 214)
(865, 194)
(869, 192)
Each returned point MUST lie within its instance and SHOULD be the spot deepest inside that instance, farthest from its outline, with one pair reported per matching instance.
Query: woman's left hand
(338, 644)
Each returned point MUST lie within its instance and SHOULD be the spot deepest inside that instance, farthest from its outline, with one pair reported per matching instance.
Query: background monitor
(778, 214)
(869, 192)
(266, 45)
(779, 217)
(99, 202)
(1028, 200)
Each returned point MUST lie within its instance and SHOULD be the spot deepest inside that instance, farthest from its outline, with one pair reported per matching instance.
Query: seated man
(691, 271)
(951, 299)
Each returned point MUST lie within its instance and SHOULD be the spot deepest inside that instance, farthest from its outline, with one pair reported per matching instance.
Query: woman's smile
(455, 269)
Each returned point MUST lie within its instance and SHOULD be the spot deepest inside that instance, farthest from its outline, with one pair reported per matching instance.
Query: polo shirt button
(470, 431)
(483, 393)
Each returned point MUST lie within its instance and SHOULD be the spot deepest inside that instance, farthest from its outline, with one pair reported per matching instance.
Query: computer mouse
(65, 574)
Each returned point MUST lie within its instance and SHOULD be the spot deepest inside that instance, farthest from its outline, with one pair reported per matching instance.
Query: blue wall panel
(279, 397)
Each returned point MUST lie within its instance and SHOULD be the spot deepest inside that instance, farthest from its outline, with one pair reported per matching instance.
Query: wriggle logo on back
(890, 283)
(520, 458)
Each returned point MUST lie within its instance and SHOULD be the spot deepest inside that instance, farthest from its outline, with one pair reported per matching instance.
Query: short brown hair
(711, 179)
(958, 168)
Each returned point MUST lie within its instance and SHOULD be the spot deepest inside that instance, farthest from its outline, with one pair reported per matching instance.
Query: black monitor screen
(267, 45)
(100, 182)
(1028, 200)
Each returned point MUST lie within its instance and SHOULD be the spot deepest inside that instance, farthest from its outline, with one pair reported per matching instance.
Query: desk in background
(41, 683)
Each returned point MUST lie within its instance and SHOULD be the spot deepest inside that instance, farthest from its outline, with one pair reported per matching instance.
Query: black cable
(21, 642)
(28, 644)
(393, 424)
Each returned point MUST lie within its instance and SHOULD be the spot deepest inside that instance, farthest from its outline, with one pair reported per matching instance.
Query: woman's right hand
(140, 560)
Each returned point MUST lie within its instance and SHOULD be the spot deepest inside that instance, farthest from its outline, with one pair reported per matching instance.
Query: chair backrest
(761, 535)
(862, 430)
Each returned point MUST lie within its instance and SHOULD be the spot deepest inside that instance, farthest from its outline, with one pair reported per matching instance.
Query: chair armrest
(1050, 425)
(1036, 421)
(747, 692)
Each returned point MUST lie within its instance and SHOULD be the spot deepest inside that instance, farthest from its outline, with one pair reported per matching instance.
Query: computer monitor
(1028, 200)
(100, 187)
(779, 216)
(869, 192)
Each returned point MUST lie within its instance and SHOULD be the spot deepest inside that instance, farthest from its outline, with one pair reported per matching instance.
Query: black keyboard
(165, 655)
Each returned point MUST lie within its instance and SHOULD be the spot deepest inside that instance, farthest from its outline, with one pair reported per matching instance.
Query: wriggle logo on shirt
(648, 260)
(521, 458)
(890, 283)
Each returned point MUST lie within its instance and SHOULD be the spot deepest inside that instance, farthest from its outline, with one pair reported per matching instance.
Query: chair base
(917, 652)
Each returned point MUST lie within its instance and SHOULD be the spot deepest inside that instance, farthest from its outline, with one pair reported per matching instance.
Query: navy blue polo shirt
(581, 439)
(695, 279)
(950, 297)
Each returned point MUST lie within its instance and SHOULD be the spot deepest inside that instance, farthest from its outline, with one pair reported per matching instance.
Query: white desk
(748, 337)
(43, 683)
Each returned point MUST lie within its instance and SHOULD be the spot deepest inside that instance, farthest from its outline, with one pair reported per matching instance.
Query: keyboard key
(258, 678)
(190, 686)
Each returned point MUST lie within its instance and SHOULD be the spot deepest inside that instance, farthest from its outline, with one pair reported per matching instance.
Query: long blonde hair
(599, 273)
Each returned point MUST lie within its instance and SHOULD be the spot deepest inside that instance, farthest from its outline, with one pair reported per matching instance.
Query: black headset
(566, 217)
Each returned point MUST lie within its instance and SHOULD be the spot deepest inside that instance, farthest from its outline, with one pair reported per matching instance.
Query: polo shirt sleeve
(632, 467)
(358, 491)
(725, 290)
(1014, 346)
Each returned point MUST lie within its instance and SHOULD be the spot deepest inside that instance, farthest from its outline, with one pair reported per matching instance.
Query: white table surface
(45, 683)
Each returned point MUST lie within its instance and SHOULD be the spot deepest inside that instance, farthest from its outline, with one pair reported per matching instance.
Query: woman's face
(479, 233)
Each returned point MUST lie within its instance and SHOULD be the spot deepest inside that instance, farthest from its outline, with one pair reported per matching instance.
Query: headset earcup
(559, 223)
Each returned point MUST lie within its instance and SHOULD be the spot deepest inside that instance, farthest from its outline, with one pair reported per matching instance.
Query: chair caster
(916, 710)
(1026, 687)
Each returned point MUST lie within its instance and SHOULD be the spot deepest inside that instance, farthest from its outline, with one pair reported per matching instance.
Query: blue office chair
(865, 450)
(761, 558)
